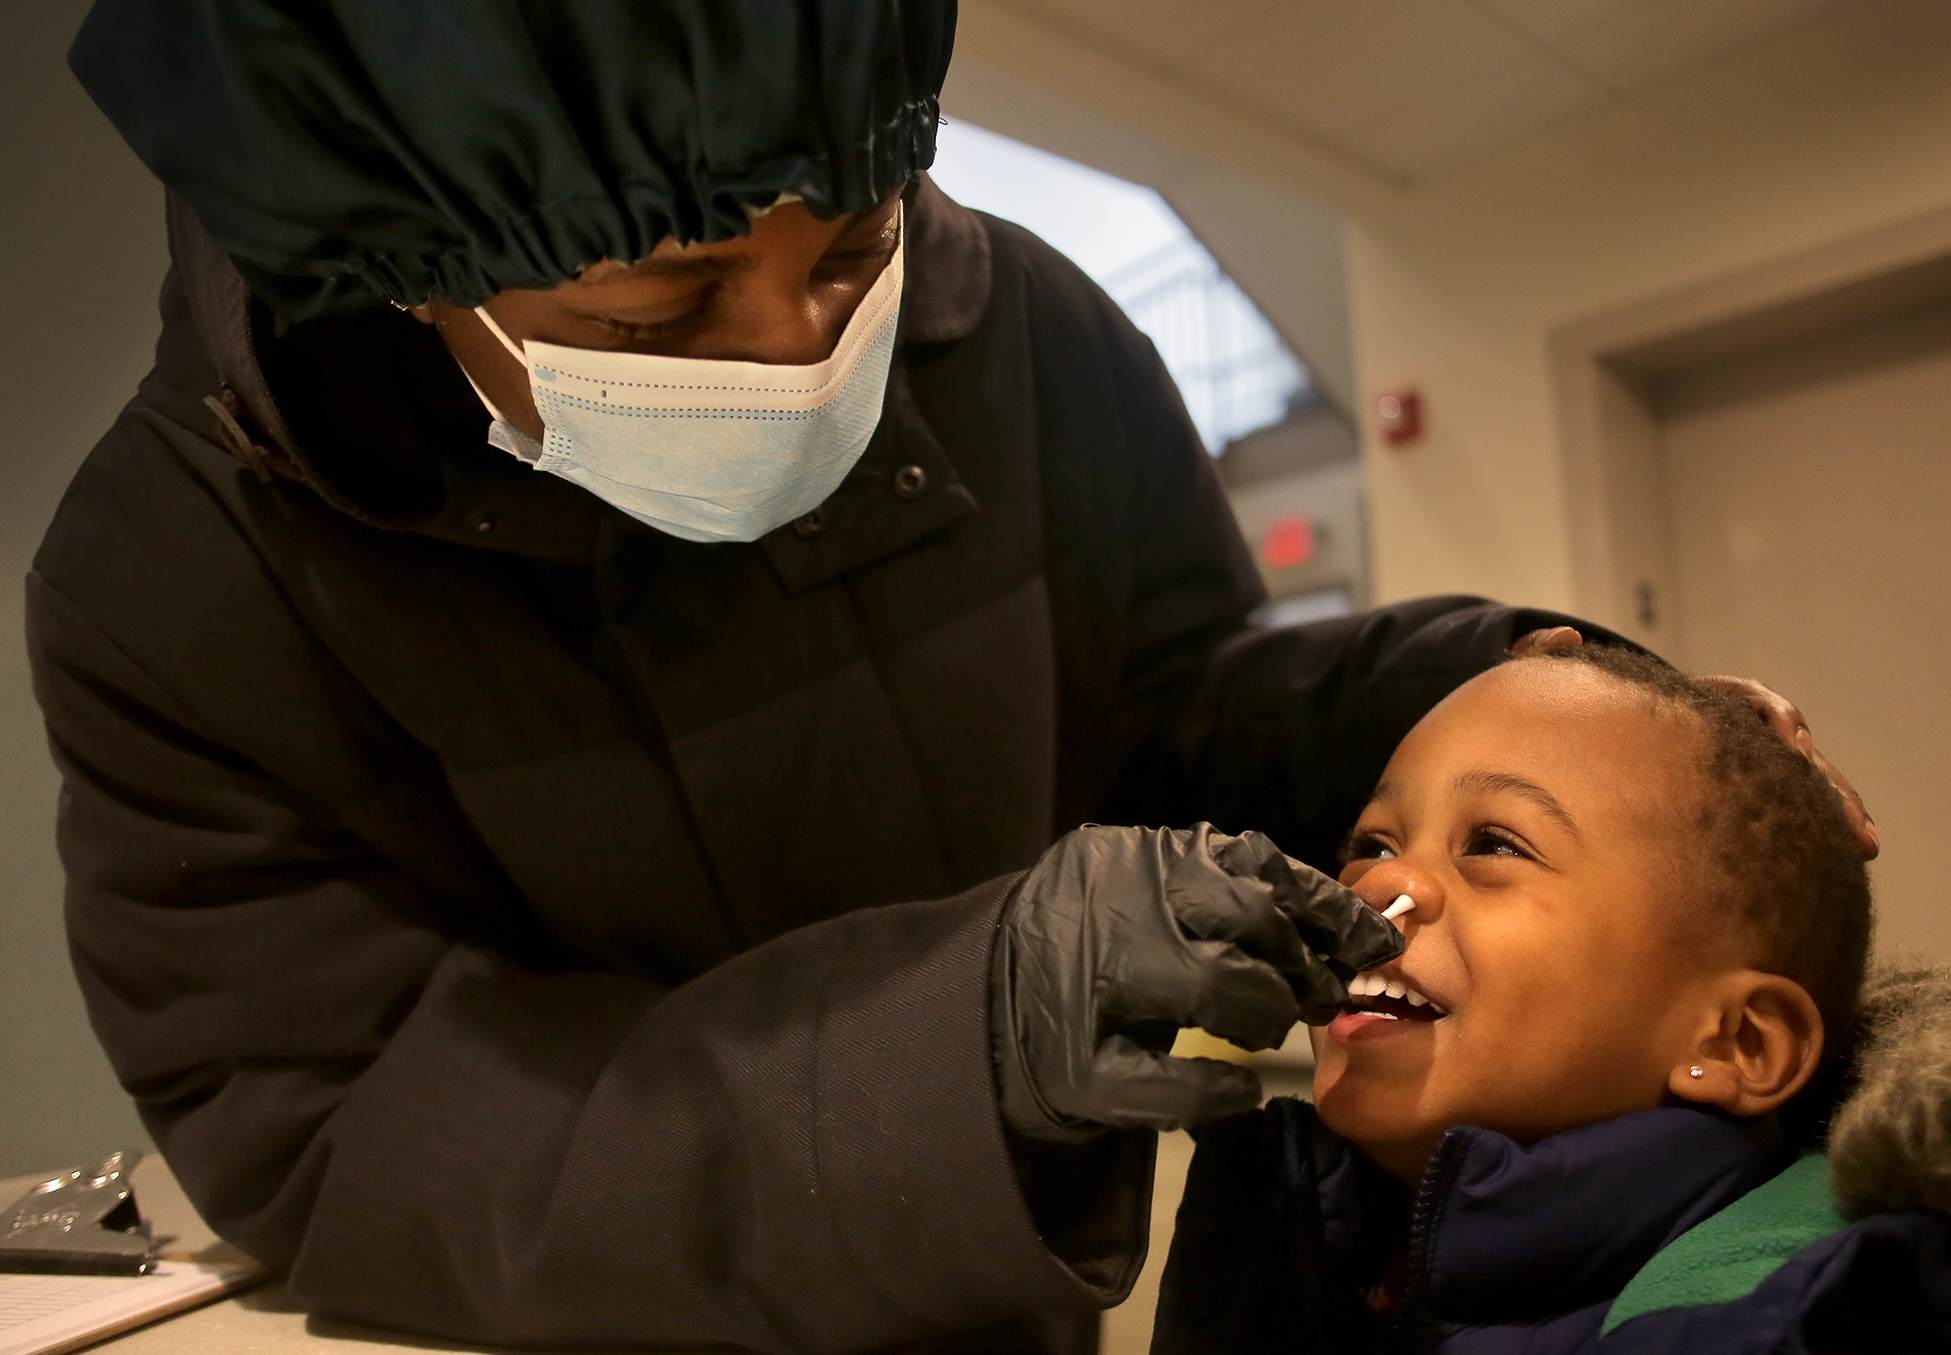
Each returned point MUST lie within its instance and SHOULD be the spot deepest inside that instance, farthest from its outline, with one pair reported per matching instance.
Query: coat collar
(492, 501)
(1505, 1233)
(948, 267)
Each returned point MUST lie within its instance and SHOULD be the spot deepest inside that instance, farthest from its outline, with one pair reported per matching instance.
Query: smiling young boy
(1569, 1116)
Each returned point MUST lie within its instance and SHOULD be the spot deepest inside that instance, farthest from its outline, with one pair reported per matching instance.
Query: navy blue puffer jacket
(1674, 1230)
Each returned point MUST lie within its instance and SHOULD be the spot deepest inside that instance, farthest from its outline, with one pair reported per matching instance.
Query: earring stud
(1696, 1071)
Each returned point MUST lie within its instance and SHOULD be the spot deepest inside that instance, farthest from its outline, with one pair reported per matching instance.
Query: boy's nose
(1389, 881)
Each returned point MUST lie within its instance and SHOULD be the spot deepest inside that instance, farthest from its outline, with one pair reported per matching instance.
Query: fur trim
(1890, 1142)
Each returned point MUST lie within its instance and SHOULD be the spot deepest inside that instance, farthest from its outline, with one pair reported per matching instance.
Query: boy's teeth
(1373, 984)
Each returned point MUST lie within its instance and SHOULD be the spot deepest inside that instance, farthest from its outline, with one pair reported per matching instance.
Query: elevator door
(1808, 492)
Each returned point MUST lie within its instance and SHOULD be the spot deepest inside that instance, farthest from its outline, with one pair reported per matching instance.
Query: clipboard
(53, 1313)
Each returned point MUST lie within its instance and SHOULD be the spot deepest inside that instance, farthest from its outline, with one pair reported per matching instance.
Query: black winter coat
(525, 927)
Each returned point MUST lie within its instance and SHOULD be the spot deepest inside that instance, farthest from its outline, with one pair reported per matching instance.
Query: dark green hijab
(353, 151)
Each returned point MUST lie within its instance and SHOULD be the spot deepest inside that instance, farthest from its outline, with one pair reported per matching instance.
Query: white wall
(1830, 131)
(81, 259)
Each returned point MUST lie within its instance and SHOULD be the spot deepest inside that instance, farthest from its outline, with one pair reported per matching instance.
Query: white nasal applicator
(1403, 903)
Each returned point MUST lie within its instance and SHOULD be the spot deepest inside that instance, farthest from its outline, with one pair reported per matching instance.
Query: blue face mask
(702, 449)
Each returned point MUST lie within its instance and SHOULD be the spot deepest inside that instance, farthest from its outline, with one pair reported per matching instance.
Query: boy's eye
(1367, 847)
(1491, 842)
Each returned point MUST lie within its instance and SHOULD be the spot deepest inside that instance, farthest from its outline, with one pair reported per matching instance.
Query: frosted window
(1230, 365)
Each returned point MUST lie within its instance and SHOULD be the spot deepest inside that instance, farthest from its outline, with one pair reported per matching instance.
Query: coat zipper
(1431, 1196)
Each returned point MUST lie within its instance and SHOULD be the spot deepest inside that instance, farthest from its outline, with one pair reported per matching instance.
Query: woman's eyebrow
(680, 265)
(1485, 783)
(683, 266)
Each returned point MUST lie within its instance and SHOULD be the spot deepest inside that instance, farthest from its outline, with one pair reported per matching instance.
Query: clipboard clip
(81, 1222)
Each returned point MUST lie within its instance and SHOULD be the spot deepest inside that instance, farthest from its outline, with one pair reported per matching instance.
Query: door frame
(1607, 371)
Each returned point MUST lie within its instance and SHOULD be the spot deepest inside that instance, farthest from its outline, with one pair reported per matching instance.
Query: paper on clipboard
(51, 1314)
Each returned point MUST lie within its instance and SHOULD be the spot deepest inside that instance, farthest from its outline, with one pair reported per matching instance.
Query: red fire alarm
(1399, 414)
(1287, 542)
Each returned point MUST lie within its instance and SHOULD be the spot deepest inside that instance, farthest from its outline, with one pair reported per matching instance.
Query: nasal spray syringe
(1403, 903)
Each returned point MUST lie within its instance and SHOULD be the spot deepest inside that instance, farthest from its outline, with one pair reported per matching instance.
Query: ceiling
(1401, 87)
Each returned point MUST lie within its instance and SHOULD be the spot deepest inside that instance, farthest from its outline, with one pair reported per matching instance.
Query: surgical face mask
(703, 449)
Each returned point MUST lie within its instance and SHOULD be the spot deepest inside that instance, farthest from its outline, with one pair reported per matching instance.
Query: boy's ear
(1757, 1048)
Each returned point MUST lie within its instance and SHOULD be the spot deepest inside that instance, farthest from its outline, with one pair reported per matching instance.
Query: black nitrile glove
(1120, 937)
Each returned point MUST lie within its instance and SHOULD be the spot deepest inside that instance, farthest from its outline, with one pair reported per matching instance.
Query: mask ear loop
(502, 334)
(502, 433)
(506, 342)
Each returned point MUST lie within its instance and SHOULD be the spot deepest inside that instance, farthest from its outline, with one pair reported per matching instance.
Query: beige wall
(1721, 182)
(81, 258)
(1460, 278)
(1828, 132)
(1808, 487)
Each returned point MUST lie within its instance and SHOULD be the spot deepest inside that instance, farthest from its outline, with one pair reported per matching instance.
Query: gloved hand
(1119, 937)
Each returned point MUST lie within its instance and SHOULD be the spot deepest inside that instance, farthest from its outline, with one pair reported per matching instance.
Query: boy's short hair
(1789, 872)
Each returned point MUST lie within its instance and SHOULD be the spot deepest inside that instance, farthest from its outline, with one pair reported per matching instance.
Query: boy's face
(1540, 817)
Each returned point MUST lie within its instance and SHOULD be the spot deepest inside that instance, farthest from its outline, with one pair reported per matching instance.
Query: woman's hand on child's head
(1786, 719)
(1543, 641)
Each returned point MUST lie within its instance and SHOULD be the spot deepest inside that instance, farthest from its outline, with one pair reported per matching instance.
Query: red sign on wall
(1288, 541)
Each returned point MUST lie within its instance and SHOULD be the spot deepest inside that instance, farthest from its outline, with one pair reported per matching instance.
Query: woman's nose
(1387, 882)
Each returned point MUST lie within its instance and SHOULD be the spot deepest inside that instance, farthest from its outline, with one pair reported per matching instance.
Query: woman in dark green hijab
(561, 909)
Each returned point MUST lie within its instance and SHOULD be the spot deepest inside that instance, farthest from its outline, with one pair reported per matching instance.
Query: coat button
(811, 525)
(910, 482)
